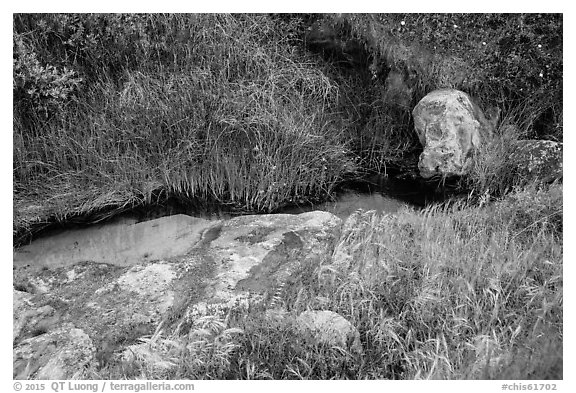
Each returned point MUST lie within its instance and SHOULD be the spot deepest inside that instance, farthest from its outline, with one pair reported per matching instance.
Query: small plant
(40, 89)
(204, 352)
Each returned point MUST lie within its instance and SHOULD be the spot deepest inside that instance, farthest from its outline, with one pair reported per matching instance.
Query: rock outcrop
(73, 318)
(537, 160)
(450, 127)
(63, 353)
(329, 328)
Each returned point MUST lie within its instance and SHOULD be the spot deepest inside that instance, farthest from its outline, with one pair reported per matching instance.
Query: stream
(128, 239)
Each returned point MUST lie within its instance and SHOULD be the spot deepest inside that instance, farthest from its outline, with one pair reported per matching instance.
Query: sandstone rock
(139, 299)
(30, 318)
(253, 255)
(21, 304)
(330, 328)
(537, 160)
(113, 305)
(450, 127)
(66, 353)
(35, 320)
(20, 299)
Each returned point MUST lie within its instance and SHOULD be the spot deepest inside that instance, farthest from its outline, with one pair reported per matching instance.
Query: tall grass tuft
(459, 292)
(492, 173)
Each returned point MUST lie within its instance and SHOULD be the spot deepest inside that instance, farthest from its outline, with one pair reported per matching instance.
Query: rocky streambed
(80, 300)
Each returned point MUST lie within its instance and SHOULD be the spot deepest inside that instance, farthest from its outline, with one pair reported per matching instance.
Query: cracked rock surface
(72, 317)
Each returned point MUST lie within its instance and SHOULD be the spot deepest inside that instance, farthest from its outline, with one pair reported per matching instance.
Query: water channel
(130, 238)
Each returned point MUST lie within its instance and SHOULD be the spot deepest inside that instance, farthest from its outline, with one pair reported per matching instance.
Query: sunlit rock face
(81, 299)
(450, 127)
(62, 353)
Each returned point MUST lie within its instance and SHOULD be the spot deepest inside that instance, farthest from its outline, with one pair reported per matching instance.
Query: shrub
(39, 89)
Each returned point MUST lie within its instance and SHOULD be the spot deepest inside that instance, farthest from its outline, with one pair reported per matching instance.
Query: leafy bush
(37, 88)
(97, 44)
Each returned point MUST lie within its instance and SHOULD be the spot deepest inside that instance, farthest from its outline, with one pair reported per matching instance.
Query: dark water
(349, 201)
(379, 193)
(163, 231)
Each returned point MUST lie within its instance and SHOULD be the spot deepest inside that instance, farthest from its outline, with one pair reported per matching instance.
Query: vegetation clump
(458, 291)
(210, 108)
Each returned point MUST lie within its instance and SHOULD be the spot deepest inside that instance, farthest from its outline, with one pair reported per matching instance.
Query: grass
(113, 112)
(229, 114)
(492, 172)
(451, 292)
